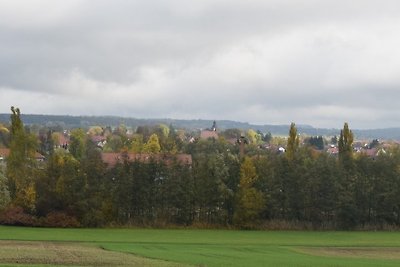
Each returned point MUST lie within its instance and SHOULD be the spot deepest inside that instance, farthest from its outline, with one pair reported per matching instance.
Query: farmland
(148, 247)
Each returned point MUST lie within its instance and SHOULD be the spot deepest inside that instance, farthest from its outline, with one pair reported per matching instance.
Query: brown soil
(354, 252)
(55, 253)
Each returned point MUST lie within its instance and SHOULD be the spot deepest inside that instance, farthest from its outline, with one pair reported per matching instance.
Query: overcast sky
(260, 61)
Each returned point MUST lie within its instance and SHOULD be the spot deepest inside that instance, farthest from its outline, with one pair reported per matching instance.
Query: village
(109, 141)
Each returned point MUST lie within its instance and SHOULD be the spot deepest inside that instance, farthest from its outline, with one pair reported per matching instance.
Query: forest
(227, 184)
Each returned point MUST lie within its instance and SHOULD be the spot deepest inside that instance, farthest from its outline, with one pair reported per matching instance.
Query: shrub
(60, 219)
(15, 215)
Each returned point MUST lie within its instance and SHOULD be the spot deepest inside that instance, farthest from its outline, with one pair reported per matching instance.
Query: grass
(204, 247)
(39, 253)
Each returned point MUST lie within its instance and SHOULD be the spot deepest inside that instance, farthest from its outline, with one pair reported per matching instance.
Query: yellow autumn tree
(21, 164)
(152, 145)
(250, 201)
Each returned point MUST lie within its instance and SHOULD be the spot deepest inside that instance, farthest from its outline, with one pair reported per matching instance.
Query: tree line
(302, 187)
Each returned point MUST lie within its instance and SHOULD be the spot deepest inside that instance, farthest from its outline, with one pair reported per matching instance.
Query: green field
(145, 247)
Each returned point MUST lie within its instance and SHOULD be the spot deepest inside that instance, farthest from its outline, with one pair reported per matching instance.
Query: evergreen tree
(320, 189)
(210, 172)
(316, 141)
(176, 189)
(97, 193)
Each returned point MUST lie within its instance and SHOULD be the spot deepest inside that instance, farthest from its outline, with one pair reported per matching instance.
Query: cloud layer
(309, 61)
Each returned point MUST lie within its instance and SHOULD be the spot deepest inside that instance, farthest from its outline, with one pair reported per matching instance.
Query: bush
(60, 219)
(15, 215)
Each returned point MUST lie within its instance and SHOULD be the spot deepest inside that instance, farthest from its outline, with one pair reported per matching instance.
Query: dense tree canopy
(4, 192)
(250, 201)
(304, 186)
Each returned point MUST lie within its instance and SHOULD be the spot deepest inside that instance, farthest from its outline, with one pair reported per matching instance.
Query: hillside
(85, 121)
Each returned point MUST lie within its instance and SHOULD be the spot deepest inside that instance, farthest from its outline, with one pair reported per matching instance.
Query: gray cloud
(308, 61)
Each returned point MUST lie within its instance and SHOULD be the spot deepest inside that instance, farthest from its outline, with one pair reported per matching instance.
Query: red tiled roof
(333, 150)
(5, 152)
(63, 140)
(39, 156)
(372, 152)
(208, 134)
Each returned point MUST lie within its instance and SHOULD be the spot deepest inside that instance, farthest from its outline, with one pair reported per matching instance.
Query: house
(333, 150)
(39, 157)
(281, 149)
(209, 133)
(112, 159)
(373, 152)
(63, 141)
(99, 140)
(5, 152)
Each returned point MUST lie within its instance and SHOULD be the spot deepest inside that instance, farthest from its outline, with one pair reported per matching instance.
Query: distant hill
(68, 122)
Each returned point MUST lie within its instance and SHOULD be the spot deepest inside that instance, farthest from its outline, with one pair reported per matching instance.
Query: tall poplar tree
(21, 163)
(345, 143)
(347, 209)
(293, 142)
